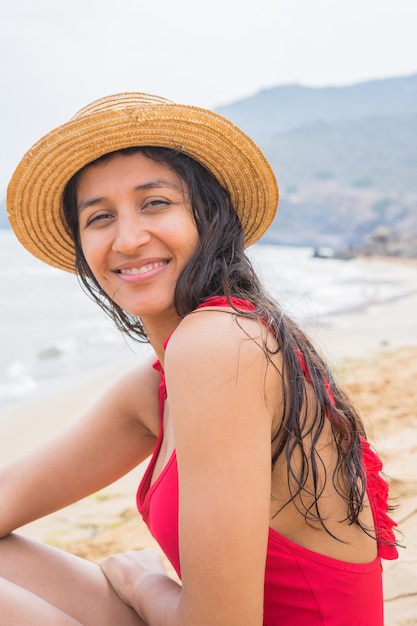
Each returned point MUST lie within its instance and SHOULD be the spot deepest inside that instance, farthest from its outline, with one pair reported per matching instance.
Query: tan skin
(137, 234)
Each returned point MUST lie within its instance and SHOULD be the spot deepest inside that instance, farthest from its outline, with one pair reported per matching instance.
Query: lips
(143, 269)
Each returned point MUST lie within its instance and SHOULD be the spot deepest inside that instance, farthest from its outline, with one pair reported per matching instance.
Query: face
(137, 233)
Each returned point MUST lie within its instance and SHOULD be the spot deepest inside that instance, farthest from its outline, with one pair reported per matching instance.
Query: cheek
(190, 239)
(187, 251)
(180, 235)
(86, 249)
(93, 251)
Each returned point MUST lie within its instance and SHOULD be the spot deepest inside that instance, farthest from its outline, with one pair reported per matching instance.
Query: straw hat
(125, 120)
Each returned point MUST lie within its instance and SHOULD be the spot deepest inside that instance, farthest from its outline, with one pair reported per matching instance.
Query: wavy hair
(220, 267)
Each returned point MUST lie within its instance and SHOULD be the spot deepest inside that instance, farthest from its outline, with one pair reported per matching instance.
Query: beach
(374, 356)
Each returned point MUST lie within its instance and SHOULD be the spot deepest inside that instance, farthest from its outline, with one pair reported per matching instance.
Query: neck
(157, 331)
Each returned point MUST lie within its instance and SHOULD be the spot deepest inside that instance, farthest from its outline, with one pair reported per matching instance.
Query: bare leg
(20, 607)
(43, 585)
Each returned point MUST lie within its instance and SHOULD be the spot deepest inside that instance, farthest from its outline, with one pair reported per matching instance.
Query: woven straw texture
(125, 120)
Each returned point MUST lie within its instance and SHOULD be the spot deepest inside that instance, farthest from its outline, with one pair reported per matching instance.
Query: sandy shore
(375, 357)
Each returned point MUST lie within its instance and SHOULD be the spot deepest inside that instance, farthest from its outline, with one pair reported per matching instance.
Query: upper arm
(113, 436)
(219, 389)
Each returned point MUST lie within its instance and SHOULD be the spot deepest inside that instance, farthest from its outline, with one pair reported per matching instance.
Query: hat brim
(34, 195)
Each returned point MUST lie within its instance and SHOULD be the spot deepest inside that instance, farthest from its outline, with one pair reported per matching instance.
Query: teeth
(143, 269)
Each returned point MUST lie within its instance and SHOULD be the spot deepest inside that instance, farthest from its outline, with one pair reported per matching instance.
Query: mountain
(345, 159)
(378, 152)
(282, 109)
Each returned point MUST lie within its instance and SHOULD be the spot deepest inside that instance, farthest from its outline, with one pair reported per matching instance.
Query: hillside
(281, 109)
(345, 159)
(378, 152)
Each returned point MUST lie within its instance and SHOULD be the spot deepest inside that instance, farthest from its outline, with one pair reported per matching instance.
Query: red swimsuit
(302, 587)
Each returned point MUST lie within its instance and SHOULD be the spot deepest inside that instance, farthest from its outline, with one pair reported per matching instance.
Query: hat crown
(122, 101)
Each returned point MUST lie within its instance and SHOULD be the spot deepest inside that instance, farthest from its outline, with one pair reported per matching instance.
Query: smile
(133, 271)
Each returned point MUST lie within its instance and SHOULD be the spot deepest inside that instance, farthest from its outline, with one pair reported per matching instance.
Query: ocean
(51, 332)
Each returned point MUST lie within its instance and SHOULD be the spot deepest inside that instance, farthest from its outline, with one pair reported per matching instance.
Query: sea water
(50, 331)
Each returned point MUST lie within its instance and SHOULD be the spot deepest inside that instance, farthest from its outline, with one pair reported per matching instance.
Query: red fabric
(301, 587)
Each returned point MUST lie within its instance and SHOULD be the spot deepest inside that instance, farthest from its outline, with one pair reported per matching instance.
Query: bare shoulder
(134, 394)
(216, 353)
(219, 333)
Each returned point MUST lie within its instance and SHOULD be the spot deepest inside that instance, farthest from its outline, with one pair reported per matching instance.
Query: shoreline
(378, 328)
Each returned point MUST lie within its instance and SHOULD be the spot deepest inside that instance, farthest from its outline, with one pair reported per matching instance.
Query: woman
(261, 489)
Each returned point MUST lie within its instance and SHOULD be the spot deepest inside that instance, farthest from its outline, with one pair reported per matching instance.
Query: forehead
(133, 169)
(123, 160)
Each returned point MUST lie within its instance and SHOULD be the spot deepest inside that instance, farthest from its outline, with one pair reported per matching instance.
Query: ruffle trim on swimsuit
(377, 489)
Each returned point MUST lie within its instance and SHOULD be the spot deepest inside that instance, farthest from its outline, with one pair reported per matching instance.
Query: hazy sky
(58, 55)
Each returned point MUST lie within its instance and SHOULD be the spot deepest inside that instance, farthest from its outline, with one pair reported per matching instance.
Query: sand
(374, 355)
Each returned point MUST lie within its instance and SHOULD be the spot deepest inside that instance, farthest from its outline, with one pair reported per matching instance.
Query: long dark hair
(220, 267)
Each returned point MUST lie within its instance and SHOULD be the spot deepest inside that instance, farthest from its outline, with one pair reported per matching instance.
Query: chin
(149, 310)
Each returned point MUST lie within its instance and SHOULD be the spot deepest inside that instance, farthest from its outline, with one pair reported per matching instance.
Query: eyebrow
(153, 184)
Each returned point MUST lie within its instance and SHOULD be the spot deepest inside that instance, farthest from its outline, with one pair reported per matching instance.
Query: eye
(98, 218)
(156, 204)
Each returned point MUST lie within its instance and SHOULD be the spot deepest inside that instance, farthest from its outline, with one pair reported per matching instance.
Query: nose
(130, 234)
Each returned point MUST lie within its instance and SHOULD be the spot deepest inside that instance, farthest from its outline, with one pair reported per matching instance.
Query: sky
(58, 55)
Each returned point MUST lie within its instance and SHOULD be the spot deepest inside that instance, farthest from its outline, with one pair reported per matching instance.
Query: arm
(219, 384)
(108, 441)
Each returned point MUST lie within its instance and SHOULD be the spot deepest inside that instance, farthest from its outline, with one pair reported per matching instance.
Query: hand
(125, 572)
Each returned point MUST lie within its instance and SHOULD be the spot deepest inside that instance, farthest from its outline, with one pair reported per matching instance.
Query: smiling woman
(261, 483)
(138, 234)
